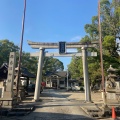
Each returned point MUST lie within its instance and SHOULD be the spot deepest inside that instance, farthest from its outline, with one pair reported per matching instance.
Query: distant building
(56, 79)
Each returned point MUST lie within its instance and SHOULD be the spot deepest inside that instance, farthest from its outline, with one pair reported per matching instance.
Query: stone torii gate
(62, 46)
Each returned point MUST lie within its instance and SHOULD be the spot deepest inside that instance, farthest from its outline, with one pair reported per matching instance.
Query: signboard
(62, 47)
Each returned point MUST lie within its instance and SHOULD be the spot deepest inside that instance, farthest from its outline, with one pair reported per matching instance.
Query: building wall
(60, 82)
(48, 82)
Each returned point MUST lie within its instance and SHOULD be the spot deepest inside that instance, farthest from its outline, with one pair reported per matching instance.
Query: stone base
(111, 96)
(8, 95)
(88, 101)
(8, 103)
(36, 100)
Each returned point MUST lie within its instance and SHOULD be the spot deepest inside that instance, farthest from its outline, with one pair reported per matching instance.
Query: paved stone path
(56, 105)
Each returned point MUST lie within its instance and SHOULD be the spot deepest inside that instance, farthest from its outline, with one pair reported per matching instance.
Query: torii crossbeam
(42, 46)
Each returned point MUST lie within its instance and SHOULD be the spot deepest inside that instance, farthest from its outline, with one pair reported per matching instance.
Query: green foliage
(31, 63)
(52, 64)
(5, 48)
(109, 42)
(109, 46)
(92, 29)
(74, 67)
(110, 17)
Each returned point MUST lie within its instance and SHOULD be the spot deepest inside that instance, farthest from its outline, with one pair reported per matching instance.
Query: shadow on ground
(47, 116)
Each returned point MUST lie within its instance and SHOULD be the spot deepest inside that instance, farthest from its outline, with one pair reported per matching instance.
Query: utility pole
(20, 51)
(101, 54)
(67, 79)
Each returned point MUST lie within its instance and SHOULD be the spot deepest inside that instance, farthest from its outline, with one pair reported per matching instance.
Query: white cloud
(76, 38)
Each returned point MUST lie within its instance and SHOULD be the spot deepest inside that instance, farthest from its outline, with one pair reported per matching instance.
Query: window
(48, 82)
(61, 82)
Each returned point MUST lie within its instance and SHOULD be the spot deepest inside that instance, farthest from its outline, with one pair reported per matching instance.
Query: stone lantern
(111, 79)
(112, 85)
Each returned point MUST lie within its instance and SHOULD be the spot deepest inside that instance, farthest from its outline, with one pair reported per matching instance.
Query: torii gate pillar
(39, 75)
(85, 73)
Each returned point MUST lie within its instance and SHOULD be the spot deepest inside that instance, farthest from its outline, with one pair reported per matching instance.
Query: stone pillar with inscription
(8, 96)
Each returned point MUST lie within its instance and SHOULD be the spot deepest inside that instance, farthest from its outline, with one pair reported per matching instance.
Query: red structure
(43, 84)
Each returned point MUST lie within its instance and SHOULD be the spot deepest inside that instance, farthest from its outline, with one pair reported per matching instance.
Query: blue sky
(46, 21)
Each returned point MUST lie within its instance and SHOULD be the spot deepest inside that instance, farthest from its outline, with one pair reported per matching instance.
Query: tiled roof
(61, 73)
(26, 73)
(58, 73)
(4, 72)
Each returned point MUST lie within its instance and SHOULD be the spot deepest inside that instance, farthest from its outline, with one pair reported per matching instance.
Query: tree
(74, 67)
(31, 63)
(110, 24)
(92, 29)
(110, 13)
(5, 48)
(52, 65)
